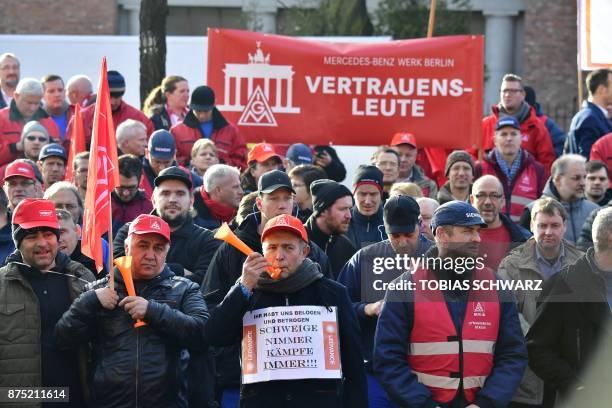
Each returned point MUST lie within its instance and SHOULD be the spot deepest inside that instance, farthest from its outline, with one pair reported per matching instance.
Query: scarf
(521, 115)
(220, 212)
(307, 273)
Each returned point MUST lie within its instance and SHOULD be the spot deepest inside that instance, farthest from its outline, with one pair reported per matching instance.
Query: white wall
(186, 56)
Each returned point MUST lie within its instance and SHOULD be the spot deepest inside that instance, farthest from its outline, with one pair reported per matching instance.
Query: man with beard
(566, 185)
(37, 286)
(332, 203)
(460, 346)
(501, 233)
(362, 275)
(275, 197)
(597, 182)
(9, 78)
(191, 246)
(460, 172)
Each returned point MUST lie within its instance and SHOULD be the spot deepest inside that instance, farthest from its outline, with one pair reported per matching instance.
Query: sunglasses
(40, 138)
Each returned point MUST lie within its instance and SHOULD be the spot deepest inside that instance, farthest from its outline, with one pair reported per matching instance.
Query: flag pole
(111, 269)
(432, 19)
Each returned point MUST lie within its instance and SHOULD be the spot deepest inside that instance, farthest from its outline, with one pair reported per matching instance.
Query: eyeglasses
(126, 189)
(40, 138)
(484, 196)
(22, 183)
(511, 91)
(67, 207)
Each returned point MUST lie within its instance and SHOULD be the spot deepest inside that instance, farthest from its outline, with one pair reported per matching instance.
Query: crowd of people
(533, 206)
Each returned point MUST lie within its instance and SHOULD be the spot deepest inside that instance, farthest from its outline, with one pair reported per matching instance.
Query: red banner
(283, 89)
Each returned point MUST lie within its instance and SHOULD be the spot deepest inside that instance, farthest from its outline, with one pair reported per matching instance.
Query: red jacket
(11, 125)
(122, 114)
(534, 135)
(440, 356)
(231, 147)
(526, 187)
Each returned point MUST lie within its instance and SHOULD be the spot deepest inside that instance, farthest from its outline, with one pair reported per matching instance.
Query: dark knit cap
(368, 174)
(116, 83)
(324, 194)
(20, 233)
(458, 156)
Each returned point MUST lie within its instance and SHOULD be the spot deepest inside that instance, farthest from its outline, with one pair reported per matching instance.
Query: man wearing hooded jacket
(285, 245)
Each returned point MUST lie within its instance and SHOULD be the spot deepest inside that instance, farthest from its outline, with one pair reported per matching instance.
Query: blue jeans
(230, 398)
(377, 397)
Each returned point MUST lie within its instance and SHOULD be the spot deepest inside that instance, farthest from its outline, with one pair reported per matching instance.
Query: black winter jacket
(191, 247)
(223, 271)
(571, 323)
(225, 327)
(142, 367)
(338, 248)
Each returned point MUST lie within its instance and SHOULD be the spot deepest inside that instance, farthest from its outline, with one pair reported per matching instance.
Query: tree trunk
(153, 15)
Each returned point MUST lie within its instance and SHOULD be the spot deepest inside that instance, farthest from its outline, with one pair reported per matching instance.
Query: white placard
(290, 343)
(594, 33)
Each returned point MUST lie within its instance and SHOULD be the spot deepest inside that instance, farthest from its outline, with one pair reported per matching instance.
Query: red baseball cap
(21, 169)
(34, 213)
(149, 224)
(403, 138)
(285, 222)
(262, 152)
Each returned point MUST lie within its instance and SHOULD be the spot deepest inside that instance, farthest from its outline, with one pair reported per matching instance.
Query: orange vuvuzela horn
(124, 264)
(224, 233)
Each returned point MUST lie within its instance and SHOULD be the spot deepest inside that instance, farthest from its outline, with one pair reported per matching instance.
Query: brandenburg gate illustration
(239, 75)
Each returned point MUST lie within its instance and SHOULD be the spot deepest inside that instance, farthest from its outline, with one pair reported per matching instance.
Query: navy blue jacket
(587, 126)
(557, 135)
(364, 289)
(7, 245)
(365, 230)
(391, 344)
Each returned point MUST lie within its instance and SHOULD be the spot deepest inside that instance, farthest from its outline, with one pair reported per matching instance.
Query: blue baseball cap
(52, 149)
(456, 213)
(161, 145)
(299, 153)
(507, 121)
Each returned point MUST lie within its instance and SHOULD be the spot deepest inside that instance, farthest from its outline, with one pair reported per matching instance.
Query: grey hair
(9, 55)
(29, 86)
(80, 78)
(428, 200)
(559, 166)
(602, 227)
(125, 129)
(55, 188)
(216, 174)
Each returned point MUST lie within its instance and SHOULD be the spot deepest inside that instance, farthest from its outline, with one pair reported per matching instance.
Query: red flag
(102, 176)
(77, 142)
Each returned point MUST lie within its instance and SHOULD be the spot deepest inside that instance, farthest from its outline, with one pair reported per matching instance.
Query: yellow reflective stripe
(478, 346)
(437, 381)
(434, 348)
(474, 382)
